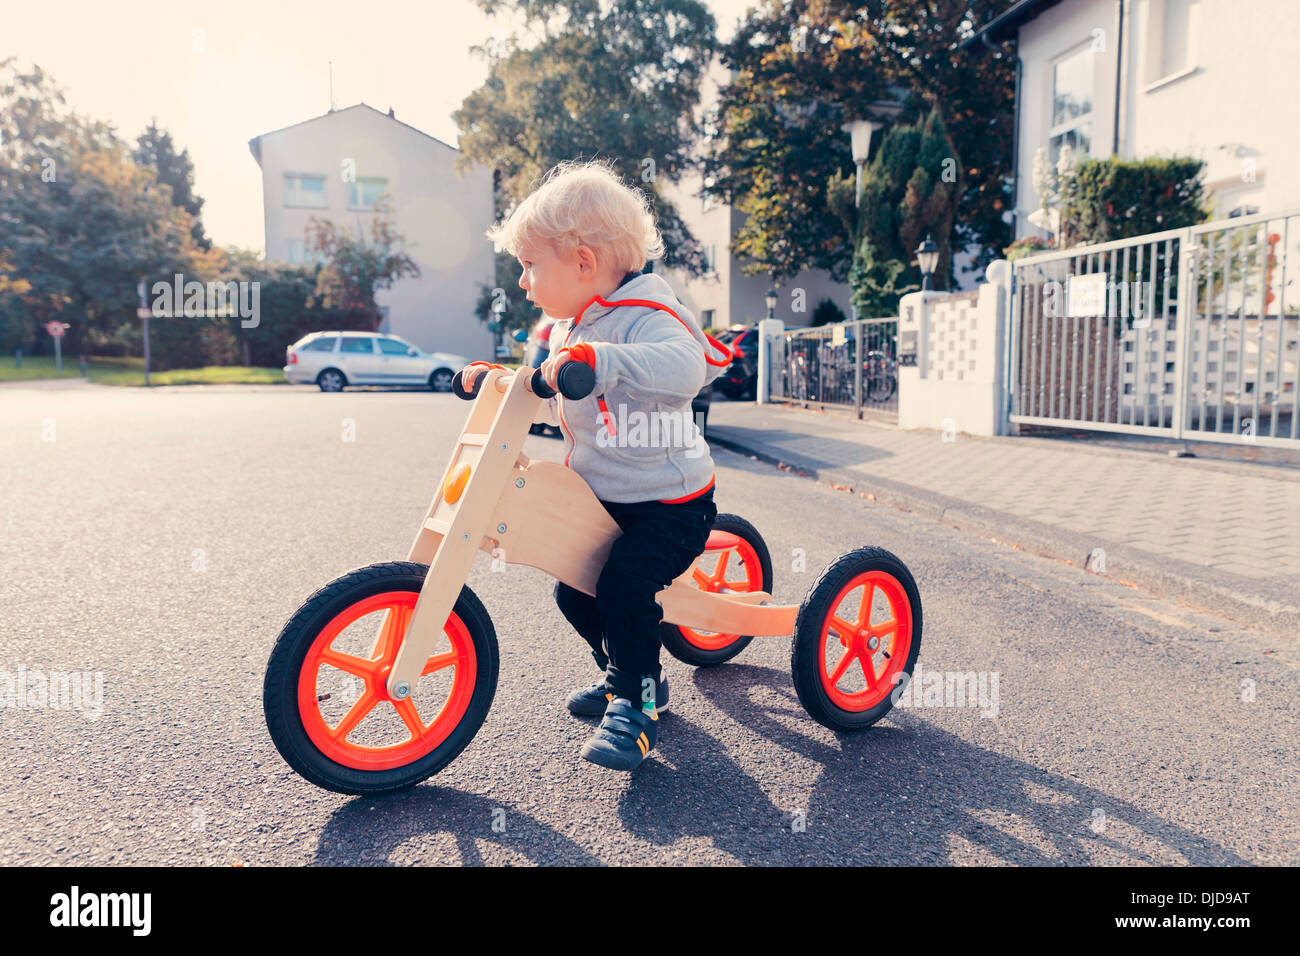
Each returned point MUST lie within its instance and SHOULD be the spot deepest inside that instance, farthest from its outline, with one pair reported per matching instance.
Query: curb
(1172, 579)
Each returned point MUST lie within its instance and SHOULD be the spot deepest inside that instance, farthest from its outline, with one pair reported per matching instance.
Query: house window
(364, 190)
(1072, 85)
(707, 201)
(305, 190)
(1171, 44)
(711, 259)
(707, 318)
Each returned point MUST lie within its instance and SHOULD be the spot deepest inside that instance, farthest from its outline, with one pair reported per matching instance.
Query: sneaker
(624, 737)
(592, 701)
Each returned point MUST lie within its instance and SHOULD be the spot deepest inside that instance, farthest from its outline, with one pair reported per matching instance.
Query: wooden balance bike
(385, 675)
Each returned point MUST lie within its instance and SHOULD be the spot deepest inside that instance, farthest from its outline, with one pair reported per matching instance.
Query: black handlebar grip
(575, 380)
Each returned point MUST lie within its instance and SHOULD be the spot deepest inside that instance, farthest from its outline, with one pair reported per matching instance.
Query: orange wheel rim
(855, 650)
(719, 551)
(373, 672)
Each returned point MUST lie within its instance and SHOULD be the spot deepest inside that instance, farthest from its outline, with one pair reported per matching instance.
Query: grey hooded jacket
(634, 439)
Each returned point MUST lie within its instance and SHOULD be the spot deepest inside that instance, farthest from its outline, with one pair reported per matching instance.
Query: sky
(217, 74)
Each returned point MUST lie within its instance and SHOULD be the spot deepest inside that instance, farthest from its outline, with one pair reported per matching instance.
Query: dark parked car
(740, 380)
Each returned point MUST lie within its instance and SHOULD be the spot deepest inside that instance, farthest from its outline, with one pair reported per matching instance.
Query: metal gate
(818, 366)
(1190, 333)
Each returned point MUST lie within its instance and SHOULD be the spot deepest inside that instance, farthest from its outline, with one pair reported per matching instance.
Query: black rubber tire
(321, 379)
(676, 644)
(804, 664)
(444, 375)
(279, 690)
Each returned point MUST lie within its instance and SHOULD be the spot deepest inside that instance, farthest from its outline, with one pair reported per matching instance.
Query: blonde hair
(584, 204)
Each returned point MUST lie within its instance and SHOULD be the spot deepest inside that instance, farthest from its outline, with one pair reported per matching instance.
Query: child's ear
(586, 261)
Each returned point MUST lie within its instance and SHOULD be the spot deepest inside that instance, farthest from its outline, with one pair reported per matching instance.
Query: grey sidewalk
(1222, 535)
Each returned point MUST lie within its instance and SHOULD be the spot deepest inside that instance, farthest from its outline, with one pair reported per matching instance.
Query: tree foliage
(909, 191)
(803, 68)
(356, 267)
(593, 79)
(154, 147)
(80, 221)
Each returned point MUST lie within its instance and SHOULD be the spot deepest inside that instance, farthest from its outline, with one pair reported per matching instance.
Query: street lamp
(927, 257)
(860, 138)
(860, 132)
(770, 299)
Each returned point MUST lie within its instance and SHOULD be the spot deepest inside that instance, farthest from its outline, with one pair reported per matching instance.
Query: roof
(1005, 26)
(255, 146)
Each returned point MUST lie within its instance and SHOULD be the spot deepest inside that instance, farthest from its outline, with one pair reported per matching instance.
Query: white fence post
(767, 330)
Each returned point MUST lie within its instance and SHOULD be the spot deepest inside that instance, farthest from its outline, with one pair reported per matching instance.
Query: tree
(355, 268)
(597, 79)
(909, 191)
(826, 313)
(80, 222)
(518, 312)
(154, 148)
(803, 68)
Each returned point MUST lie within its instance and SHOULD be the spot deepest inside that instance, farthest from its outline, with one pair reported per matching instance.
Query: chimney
(390, 113)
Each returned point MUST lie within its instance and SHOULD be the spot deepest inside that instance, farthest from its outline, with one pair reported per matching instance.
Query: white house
(1211, 79)
(335, 166)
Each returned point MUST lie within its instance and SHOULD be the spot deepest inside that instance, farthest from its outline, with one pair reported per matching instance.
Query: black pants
(621, 623)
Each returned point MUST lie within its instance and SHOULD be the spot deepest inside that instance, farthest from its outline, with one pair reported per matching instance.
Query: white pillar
(767, 329)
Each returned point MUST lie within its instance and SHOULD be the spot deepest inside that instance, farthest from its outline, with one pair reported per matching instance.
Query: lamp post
(927, 257)
(498, 307)
(860, 132)
(860, 138)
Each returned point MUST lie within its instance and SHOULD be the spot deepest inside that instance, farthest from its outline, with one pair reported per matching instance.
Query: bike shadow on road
(904, 792)
(368, 831)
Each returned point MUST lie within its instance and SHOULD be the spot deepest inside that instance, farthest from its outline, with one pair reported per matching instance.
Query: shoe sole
(608, 760)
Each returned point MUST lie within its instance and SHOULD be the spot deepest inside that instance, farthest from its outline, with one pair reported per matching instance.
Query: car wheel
(331, 380)
(440, 380)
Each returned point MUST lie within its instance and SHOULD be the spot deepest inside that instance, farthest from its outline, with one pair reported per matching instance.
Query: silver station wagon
(335, 360)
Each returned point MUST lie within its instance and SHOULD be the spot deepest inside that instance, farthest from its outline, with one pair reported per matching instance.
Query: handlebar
(575, 380)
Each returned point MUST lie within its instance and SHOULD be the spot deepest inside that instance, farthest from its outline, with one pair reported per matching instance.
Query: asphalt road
(161, 538)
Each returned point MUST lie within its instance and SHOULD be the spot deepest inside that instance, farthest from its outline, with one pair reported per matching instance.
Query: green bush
(1114, 198)
(285, 317)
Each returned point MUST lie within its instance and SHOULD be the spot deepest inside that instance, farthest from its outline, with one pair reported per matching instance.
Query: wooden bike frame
(539, 514)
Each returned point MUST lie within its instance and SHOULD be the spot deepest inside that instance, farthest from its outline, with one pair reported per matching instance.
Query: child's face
(560, 283)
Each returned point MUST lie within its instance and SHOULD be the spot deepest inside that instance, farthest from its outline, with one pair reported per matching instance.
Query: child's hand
(469, 375)
(551, 368)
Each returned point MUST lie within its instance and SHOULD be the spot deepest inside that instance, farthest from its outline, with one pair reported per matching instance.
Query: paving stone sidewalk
(1222, 535)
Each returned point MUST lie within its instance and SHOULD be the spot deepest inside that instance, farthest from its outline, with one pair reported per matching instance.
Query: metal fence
(1190, 333)
(820, 366)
